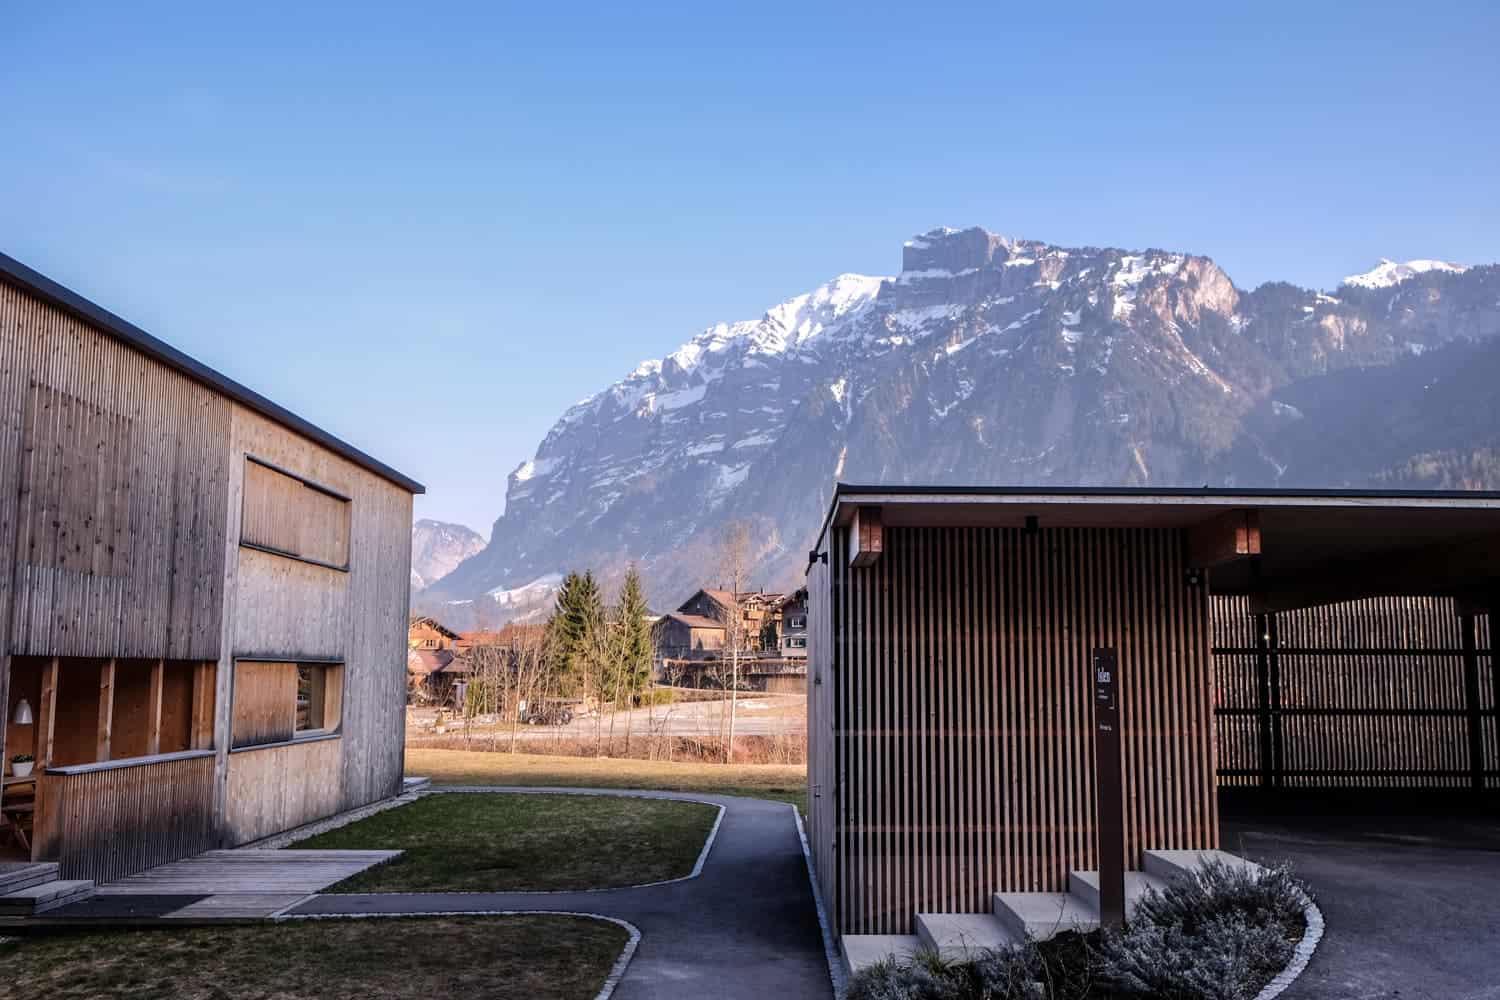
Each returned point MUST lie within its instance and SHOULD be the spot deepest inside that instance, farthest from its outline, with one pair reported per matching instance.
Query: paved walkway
(1412, 904)
(745, 929)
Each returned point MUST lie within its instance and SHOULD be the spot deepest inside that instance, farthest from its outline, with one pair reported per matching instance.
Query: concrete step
(958, 935)
(1085, 885)
(1174, 864)
(862, 950)
(23, 876)
(45, 896)
(1041, 915)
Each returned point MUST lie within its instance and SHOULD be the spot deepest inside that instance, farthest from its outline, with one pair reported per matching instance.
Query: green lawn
(506, 958)
(782, 782)
(481, 843)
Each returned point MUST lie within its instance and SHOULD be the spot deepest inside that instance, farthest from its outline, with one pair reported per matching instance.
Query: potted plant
(21, 764)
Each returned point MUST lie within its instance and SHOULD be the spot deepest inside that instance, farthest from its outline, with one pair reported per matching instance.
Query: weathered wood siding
(121, 524)
(822, 750)
(959, 751)
(118, 469)
(107, 824)
(298, 610)
(272, 789)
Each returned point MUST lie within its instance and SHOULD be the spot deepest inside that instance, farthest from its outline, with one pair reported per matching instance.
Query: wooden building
(429, 633)
(951, 679)
(204, 598)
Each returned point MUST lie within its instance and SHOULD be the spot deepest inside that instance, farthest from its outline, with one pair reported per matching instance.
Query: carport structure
(1274, 638)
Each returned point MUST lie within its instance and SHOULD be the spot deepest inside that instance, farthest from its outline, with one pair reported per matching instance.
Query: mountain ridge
(987, 359)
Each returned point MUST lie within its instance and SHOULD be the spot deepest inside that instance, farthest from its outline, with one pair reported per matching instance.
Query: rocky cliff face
(987, 360)
(437, 548)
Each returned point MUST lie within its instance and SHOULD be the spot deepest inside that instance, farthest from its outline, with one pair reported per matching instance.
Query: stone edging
(616, 971)
(281, 841)
(1311, 935)
(836, 971)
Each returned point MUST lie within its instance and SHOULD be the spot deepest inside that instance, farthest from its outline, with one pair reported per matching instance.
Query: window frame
(324, 732)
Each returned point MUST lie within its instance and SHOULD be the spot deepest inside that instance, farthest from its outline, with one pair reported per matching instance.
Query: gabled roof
(107, 323)
(435, 625)
(428, 661)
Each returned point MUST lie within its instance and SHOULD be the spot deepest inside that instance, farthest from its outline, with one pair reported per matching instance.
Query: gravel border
(1311, 935)
(837, 974)
(616, 971)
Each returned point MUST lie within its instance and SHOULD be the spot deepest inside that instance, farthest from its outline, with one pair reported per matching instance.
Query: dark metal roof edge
(1225, 492)
(159, 350)
(843, 490)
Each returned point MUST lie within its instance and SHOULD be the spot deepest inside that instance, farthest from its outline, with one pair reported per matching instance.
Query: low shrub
(1262, 896)
(1219, 933)
(925, 977)
(1228, 957)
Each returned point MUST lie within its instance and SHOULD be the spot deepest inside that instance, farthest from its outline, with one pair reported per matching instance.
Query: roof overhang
(106, 322)
(1283, 548)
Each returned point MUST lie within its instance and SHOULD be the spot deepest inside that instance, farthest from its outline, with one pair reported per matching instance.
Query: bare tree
(734, 567)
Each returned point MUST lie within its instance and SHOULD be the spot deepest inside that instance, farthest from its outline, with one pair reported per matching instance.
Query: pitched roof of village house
(108, 323)
(433, 624)
(427, 661)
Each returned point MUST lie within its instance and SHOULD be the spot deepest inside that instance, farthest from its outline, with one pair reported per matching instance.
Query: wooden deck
(241, 884)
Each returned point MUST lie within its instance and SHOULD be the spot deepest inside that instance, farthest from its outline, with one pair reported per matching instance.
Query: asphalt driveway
(745, 929)
(1412, 903)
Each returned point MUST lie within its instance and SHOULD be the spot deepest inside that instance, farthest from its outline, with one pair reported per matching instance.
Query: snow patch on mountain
(1388, 273)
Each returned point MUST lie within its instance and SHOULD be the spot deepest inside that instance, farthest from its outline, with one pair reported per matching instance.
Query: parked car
(547, 713)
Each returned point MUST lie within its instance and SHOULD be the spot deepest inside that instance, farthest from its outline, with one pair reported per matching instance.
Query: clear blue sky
(431, 227)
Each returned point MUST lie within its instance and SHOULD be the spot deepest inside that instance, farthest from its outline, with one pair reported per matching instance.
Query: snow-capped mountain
(437, 547)
(985, 360)
(1389, 273)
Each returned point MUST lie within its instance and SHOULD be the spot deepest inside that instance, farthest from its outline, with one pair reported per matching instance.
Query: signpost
(1108, 785)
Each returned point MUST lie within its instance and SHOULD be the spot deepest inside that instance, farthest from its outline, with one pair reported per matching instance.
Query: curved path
(746, 928)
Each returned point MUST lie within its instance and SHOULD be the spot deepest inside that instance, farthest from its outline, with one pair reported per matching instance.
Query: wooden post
(153, 708)
(1494, 623)
(1262, 625)
(1470, 629)
(1108, 783)
(106, 709)
(204, 678)
(47, 719)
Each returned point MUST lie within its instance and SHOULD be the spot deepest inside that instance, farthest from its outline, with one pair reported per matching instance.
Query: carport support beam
(1469, 626)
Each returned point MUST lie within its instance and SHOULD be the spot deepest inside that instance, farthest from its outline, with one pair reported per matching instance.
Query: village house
(429, 633)
(202, 601)
(791, 627)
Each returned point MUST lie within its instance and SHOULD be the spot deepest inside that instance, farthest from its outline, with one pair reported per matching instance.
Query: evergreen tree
(636, 651)
(570, 630)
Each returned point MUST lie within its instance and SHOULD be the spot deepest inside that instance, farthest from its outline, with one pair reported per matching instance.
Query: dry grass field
(784, 782)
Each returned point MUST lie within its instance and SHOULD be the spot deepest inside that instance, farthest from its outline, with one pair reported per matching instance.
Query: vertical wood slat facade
(111, 823)
(1363, 694)
(121, 467)
(950, 713)
(121, 546)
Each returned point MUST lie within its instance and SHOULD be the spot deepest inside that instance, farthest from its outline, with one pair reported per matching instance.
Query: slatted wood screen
(951, 713)
(1365, 694)
(107, 824)
(287, 515)
(264, 708)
